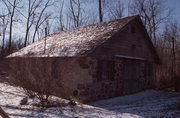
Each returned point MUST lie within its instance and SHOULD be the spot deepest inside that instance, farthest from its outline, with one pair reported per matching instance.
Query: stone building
(94, 62)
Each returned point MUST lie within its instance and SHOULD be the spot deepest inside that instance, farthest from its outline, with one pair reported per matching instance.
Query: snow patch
(146, 104)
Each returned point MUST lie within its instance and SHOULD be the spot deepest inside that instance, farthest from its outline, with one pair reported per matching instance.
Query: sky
(175, 4)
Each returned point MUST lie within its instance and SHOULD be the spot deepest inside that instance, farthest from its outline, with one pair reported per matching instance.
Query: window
(106, 70)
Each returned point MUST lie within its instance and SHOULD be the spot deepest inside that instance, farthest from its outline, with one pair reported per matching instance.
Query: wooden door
(131, 76)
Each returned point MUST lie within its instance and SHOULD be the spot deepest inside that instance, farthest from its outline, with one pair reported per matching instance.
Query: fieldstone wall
(75, 77)
(119, 76)
(91, 90)
(97, 90)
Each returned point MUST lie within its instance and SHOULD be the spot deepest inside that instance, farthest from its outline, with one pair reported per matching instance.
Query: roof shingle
(75, 42)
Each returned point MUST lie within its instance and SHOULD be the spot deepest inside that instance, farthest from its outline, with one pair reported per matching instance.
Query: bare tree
(171, 35)
(100, 11)
(46, 27)
(4, 24)
(153, 13)
(42, 16)
(60, 16)
(76, 14)
(33, 6)
(168, 48)
(11, 9)
(115, 9)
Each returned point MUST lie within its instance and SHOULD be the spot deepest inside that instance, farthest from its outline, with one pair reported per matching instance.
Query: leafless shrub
(15, 45)
(39, 77)
(168, 50)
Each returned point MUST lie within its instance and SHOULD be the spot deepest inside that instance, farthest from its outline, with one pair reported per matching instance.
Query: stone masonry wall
(96, 90)
(77, 77)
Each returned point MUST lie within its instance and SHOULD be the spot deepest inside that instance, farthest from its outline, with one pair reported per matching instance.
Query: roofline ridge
(127, 19)
(56, 33)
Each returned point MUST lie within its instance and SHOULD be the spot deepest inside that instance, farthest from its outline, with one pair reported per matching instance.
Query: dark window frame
(106, 70)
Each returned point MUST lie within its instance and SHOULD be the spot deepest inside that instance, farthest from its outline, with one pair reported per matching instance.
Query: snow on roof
(76, 42)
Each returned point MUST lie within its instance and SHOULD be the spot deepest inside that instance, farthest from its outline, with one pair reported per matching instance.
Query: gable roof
(76, 42)
(79, 41)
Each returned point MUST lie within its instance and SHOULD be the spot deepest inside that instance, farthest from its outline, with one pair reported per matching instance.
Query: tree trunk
(3, 42)
(11, 25)
(3, 35)
(154, 30)
(27, 26)
(100, 11)
(10, 35)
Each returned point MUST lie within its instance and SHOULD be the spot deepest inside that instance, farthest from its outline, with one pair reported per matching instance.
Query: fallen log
(3, 113)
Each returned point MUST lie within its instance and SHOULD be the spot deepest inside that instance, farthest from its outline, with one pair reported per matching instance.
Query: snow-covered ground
(146, 104)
